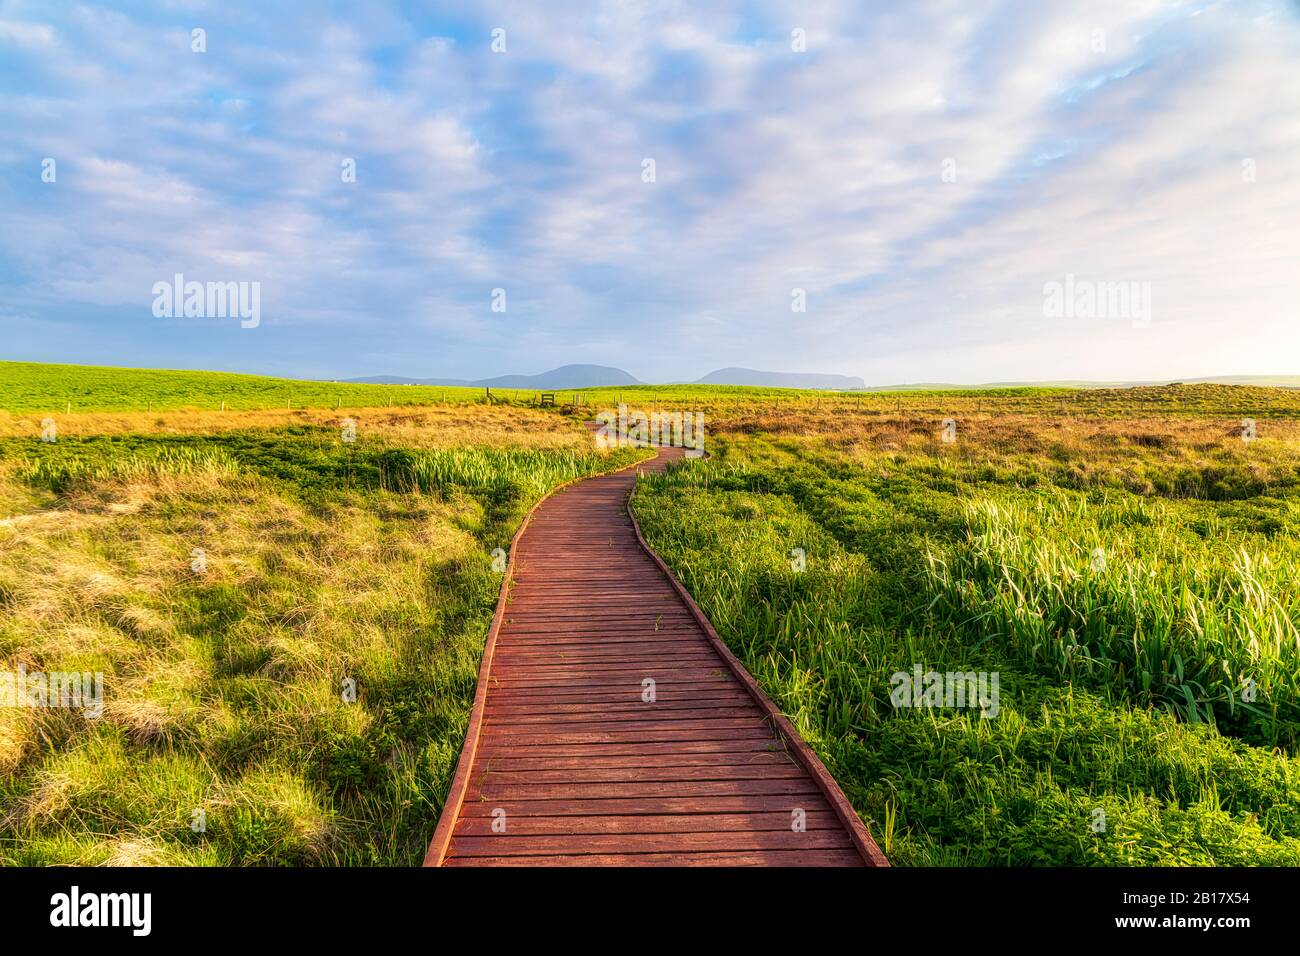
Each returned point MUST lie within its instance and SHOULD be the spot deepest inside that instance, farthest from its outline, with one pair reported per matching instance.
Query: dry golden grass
(15, 737)
(1022, 432)
(106, 589)
(1135, 453)
(433, 426)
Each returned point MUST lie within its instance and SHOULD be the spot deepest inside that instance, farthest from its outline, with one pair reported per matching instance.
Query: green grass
(1181, 612)
(36, 387)
(1120, 688)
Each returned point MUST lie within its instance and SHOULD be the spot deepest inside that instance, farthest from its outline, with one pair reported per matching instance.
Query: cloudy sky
(923, 171)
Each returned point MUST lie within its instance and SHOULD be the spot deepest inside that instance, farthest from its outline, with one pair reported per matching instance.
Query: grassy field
(34, 387)
(31, 390)
(1127, 580)
(1123, 560)
(323, 561)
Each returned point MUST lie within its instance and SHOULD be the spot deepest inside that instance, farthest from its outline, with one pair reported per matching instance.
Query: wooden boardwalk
(570, 760)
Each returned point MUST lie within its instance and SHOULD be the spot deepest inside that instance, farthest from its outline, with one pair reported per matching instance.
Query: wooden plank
(577, 628)
(491, 776)
(646, 735)
(613, 678)
(735, 803)
(751, 719)
(531, 825)
(692, 658)
(511, 845)
(542, 698)
(619, 682)
(522, 721)
(558, 707)
(642, 761)
(670, 651)
(491, 791)
(627, 692)
(641, 650)
(731, 745)
(630, 632)
(635, 671)
(637, 632)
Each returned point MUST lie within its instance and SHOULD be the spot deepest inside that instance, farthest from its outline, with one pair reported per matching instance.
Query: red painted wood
(566, 757)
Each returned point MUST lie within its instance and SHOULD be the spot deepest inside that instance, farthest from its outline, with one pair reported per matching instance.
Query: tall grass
(1125, 594)
(59, 474)
(496, 471)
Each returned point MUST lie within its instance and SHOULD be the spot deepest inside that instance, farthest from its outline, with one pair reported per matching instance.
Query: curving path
(567, 762)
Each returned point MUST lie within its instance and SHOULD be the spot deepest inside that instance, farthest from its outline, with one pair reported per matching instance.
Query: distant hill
(566, 376)
(399, 380)
(1260, 381)
(749, 376)
(597, 376)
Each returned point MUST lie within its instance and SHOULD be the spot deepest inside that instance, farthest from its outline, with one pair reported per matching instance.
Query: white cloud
(32, 36)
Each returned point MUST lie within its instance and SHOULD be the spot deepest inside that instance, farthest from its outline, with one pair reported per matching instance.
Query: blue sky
(1105, 140)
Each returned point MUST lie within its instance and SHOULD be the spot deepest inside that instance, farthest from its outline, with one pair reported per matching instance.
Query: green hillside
(36, 387)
